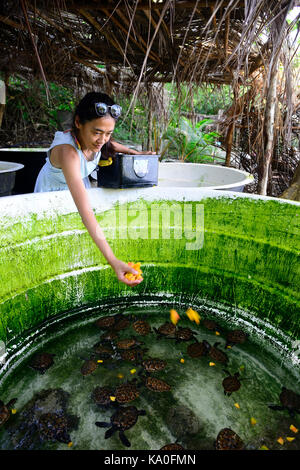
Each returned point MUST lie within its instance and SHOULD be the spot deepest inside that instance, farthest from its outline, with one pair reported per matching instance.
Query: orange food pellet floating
(13, 411)
(134, 277)
(70, 444)
(217, 333)
(193, 315)
(112, 398)
(212, 364)
(182, 361)
(290, 439)
(293, 428)
(237, 406)
(133, 371)
(280, 440)
(100, 360)
(253, 421)
(263, 448)
(120, 376)
(174, 317)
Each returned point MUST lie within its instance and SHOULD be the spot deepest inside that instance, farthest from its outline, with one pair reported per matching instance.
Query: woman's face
(94, 134)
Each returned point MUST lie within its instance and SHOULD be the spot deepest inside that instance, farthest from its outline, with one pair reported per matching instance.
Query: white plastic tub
(7, 176)
(200, 175)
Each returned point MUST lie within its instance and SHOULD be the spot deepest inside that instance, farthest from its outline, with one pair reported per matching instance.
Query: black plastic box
(128, 171)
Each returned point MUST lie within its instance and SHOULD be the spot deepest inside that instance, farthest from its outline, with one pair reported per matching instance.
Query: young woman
(75, 154)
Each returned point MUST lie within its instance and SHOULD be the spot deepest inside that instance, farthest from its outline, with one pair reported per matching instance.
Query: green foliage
(27, 102)
(188, 141)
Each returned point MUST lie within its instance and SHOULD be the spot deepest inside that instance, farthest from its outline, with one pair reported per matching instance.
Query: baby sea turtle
(289, 400)
(89, 366)
(101, 396)
(228, 440)
(123, 419)
(103, 351)
(216, 353)
(210, 325)
(231, 383)
(109, 335)
(133, 355)
(235, 337)
(152, 364)
(54, 427)
(141, 327)
(126, 392)
(172, 446)
(122, 323)
(184, 334)
(5, 410)
(127, 343)
(41, 362)
(198, 349)
(165, 330)
(105, 323)
(156, 385)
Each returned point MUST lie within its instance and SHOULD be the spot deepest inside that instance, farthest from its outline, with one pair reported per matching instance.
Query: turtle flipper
(109, 433)
(276, 407)
(102, 424)
(124, 439)
(11, 403)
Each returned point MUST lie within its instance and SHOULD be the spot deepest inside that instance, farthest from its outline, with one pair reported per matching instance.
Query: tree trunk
(293, 191)
(269, 121)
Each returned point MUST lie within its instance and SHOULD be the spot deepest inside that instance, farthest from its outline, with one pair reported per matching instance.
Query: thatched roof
(149, 40)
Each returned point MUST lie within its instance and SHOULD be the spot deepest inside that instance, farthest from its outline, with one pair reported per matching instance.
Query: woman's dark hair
(85, 110)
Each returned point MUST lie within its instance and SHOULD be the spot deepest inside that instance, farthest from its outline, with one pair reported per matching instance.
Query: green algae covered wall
(235, 249)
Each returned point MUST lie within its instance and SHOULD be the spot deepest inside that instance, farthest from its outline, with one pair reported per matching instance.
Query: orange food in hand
(134, 277)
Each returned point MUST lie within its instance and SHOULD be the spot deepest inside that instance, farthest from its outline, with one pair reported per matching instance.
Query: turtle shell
(228, 440)
(126, 343)
(126, 393)
(4, 413)
(132, 355)
(124, 418)
(197, 350)
(141, 327)
(101, 396)
(172, 446)
(109, 335)
(210, 324)
(184, 334)
(121, 323)
(42, 361)
(157, 385)
(104, 351)
(88, 367)
(289, 399)
(106, 322)
(231, 383)
(53, 427)
(218, 355)
(167, 329)
(153, 364)
(236, 336)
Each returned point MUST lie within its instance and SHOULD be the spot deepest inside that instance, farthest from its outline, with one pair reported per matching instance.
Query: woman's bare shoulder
(63, 154)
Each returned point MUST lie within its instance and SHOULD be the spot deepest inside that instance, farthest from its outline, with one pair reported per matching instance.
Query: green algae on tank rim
(249, 258)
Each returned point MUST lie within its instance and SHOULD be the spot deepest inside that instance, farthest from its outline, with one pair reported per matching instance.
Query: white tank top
(51, 178)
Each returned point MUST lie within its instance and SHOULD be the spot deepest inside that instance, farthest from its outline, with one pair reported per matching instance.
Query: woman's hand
(121, 269)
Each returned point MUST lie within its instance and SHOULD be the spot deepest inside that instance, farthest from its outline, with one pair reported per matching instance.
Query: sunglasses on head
(102, 108)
